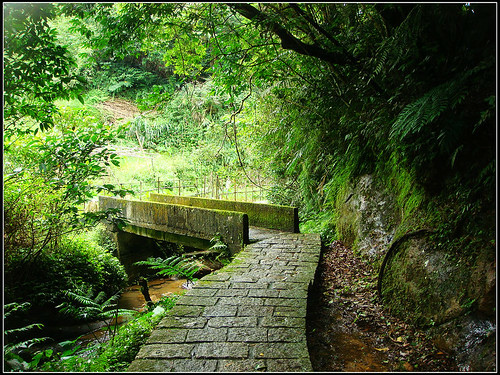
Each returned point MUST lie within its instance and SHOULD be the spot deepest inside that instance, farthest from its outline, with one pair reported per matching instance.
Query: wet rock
(368, 218)
(471, 340)
(423, 284)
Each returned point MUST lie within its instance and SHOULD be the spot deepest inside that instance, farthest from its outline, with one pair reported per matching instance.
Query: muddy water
(337, 345)
(131, 299)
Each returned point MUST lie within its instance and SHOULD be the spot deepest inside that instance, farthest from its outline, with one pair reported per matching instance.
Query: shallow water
(131, 299)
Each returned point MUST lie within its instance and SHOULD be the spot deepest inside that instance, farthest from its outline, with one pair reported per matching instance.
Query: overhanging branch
(288, 41)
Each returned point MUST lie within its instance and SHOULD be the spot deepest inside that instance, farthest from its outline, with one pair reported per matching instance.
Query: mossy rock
(368, 218)
(426, 286)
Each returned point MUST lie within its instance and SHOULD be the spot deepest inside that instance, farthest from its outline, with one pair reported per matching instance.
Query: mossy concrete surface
(269, 216)
(150, 218)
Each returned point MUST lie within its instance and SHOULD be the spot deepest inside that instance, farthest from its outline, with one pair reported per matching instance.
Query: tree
(36, 69)
(46, 175)
(47, 178)
(348, 87)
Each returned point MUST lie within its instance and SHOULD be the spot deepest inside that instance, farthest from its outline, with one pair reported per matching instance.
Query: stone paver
(247, 317)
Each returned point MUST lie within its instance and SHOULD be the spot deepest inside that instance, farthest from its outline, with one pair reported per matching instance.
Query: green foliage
(92, 265)
(75, 264)
(427, 108)
(218, 246)
(411, 119)
(313, 95)
(78, 268)
(86, 307)
(36, 69)
(172, 266)
(182, 121)
(101, 236)
(116, 354)
(344, 88)
(120, 78)
(48, 176)
(19, 339)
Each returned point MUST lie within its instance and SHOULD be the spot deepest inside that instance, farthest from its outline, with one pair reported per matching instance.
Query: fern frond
(81, 299)
(10, 349)
(111, 301)
(415, 116)
(13, 307)
(394, 49)
(24, 344)
(172, 266)
(109, 314)
(23, 329)
(220, 247)
(38, 340)
(99, 299)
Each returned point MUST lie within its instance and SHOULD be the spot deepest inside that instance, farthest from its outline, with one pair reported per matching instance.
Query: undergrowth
(117, 353)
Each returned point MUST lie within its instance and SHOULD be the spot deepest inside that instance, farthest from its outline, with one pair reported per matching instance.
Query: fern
(95, 308)
(24, 329)
(220, 247)
(172, 266)
(12, 350)
(394, 50)
(98, 307)
(423, 111)
(11, 308)
(415, 116)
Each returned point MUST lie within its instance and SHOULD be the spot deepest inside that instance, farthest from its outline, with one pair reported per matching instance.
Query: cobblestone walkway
(249, 316)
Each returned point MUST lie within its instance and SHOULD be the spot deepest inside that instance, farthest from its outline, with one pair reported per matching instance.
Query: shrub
(75, 264)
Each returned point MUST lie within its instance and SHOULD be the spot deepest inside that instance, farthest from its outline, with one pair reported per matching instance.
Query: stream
(131, 298)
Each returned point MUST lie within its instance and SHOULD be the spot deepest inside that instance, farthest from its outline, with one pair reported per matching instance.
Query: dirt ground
(349, 331)
(120, 109)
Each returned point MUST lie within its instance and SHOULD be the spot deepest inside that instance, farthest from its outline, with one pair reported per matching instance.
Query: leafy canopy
(37, 70)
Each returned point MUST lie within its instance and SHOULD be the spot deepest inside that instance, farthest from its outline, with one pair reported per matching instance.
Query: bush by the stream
(77, 263)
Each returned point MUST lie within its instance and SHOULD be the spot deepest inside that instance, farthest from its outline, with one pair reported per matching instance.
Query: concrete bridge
(190, 222)
(248, 316)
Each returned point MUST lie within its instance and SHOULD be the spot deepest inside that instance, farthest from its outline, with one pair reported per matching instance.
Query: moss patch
(423, 285)
(260, 215)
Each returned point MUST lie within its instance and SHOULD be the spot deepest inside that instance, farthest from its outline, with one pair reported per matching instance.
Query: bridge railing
(270, 216)
(180, 224)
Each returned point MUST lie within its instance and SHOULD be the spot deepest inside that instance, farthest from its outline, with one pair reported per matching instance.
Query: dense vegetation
(312, 96)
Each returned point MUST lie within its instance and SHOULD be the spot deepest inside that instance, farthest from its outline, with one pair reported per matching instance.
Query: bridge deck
(248, 316)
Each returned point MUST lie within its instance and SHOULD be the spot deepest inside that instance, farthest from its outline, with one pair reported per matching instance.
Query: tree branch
(288, 41)
(330, 37)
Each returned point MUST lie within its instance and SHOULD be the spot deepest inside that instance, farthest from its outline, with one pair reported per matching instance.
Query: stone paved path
(249, 316)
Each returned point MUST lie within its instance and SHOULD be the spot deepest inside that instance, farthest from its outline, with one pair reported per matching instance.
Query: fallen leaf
(382, 349)
(407, 366)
